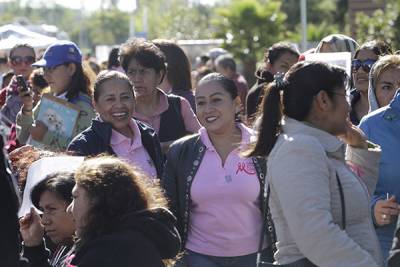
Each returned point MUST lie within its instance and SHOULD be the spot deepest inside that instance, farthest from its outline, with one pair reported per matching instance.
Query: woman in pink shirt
(114, 131)
(170, 115)
(215, 192)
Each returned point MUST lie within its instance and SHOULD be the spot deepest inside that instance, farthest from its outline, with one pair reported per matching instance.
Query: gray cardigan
(305, 199)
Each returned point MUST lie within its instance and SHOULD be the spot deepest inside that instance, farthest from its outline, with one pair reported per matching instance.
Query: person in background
(277, 59)
(51, 196)
(62, 67)
(120, 218)
(383, 128)
(384, 80)
(113, 61)
(6, 79)
(171, 116)
(200, 73)
(365, 57)
(20, 60)
(337, 43)
(216, 193)
(114, 131)
(319, 206)
(226, 65)
(177, 80)
(4, 67)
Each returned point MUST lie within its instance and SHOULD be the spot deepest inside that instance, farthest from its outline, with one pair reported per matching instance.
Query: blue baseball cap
(59, 53)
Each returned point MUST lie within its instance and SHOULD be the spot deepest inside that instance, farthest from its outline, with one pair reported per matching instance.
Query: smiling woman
(214, 190)
(114, 131)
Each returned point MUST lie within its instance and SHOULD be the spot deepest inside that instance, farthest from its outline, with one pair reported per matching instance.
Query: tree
(248, 27)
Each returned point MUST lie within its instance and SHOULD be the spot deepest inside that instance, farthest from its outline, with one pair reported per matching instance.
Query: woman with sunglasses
(364, 58)
(62, 66)
(383, 128)
(20, 60)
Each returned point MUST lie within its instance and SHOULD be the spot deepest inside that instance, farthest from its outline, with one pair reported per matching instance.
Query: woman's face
(58, 224)
(339, 112)
(215, 107)
(327, 48)
(361, 76)
(115, 103)
(283, 63)
(21, 60)
(386, 85)
(80, 207)
(144, 80)
(59, 77)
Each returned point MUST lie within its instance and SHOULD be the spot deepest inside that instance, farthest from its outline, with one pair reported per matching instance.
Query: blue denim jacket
(383, 128)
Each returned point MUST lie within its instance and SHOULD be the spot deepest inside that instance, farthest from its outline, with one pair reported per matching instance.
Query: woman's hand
(354, 136)
(386, 210)
(31, 229)
(27, 102)
(38, 130)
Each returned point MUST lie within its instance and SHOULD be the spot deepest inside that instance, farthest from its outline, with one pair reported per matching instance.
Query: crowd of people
(195, 168)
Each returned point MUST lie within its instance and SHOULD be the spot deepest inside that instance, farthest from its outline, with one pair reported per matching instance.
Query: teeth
(211, 119)
(119, 114)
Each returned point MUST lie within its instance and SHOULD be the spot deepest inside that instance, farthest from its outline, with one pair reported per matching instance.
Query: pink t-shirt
(132, 150)
(189, 118)
(225, 217)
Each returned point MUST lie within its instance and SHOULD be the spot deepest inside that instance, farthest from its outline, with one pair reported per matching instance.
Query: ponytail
(271, 117)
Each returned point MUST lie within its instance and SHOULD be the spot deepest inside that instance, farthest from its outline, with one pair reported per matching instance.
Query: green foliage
(381, 25)
(248, 27)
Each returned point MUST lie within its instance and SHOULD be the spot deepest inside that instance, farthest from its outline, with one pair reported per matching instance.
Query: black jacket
(142, 239)
(255, 94)
(95, 140)
(183, 160)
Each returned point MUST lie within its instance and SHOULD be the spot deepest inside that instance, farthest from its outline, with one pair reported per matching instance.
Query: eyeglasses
(346, 95)
(366, 64)
(18, 60)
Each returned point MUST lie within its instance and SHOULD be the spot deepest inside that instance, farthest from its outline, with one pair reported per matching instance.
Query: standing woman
(216, 193)
(120, 219)
(114, 131)
(62, 66)
(319, 207)
(170, 115)
(364, 58)
(178, 80)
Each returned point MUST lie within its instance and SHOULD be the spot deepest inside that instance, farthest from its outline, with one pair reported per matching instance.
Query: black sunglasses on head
(366, 64)
(18, 60)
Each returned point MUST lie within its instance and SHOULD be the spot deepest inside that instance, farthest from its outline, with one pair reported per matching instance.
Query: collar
(162, 107)
(118, 138)
(331, 143)
(246, 139)
(392, 111)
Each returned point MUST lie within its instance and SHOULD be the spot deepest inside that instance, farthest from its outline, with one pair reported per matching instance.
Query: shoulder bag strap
(343, 206)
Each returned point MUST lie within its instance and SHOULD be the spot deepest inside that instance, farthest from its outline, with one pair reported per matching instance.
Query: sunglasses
(18, 60)
(366, 65)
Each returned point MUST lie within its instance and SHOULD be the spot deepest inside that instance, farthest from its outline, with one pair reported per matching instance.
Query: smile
(211, 119)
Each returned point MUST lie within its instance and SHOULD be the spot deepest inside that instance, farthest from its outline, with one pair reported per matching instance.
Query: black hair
(226, 61)
(378, 47)
(38, 79)
(226, 83)
(146, 53)
(178, 66)
(58, 183)
(301, 83)
(107, 75)
(15, 47)
(277, 50)
(113, 58)
(79, 83)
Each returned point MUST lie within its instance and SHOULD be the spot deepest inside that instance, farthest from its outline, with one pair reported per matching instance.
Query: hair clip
(280, 81)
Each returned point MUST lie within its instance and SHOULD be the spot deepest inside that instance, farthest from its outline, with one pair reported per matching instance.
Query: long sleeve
(300, 191)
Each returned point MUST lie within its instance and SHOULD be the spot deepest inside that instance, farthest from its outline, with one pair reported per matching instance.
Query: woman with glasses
(364, 58)
(62, 66)
(319, 207)
(170, 115)
(20, 60)
(382, 127)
